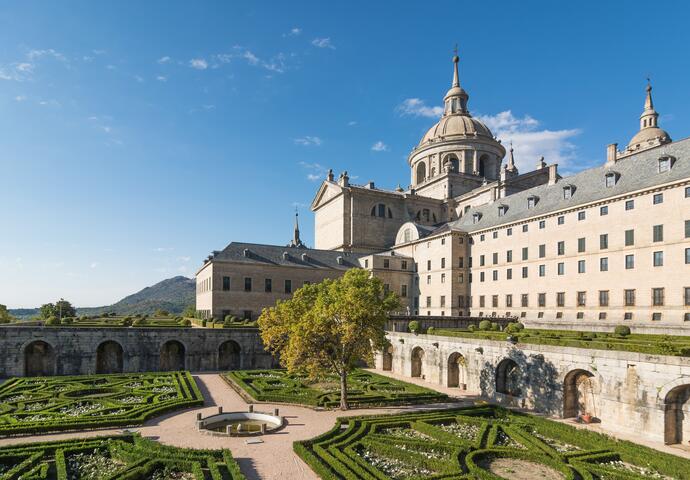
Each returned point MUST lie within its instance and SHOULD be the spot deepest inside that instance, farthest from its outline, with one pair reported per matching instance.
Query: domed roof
(649, 134)
(451, 126)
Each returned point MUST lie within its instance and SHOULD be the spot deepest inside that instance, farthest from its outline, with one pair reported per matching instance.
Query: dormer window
(532, 201)
(568, 191)
(665, 164)
(610, 179)
(476, 217)
(502, 209)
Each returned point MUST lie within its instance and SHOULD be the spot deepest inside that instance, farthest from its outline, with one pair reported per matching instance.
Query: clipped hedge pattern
(461, 444)
(128, 457)
(365, 389)
(124, 321)
(44, 404)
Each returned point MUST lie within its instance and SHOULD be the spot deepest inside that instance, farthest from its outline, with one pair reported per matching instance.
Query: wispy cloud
(379, 147)
(24, 69)
(323, 43)
(294, 32)
(351, 123)
(20, 98)
(415, 107)
(162, 78)
(163, 249)
(531, 142)
(184, 259)
(308, 141)
(198, 63)
(315, 171)
(36, 54)
(163, 60)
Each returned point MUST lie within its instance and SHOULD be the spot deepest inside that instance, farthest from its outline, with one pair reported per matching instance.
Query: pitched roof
(634, 172)
(274, 255)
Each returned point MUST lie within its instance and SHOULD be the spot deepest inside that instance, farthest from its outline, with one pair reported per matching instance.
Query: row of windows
(655, 316)
(629, 298)
(204, 285)
(657, 199)
(268, 285)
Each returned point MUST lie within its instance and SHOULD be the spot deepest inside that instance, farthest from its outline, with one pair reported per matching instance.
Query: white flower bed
(92, 466)
(405, 433)
(35, 418)
(560, 447)
(164, 389)
(79, 409)
(504, 440)
(467, 431)
(132, 399)
(627, 467)
(392, 467)
(32, 407)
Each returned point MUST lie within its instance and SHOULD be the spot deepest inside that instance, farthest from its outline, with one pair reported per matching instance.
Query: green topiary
(512, 327)
(472, 328)
(430, 330)
(622, 330)
(414, 326)
(495, 327)
(53, 321)
(485, 325)
(67, 321)
(185, 322)
(229, 318)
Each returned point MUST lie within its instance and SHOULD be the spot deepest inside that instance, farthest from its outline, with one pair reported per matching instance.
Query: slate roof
(273, 255)
(636, 172)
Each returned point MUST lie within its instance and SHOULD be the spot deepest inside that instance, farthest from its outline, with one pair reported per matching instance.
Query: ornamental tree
(329, 327)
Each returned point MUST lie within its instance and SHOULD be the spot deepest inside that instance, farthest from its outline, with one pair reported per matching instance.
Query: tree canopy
(59, 309)
(329, 327)
(5, 316)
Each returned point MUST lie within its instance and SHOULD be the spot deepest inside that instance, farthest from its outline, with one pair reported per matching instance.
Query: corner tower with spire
(296, 242)
(650, 135)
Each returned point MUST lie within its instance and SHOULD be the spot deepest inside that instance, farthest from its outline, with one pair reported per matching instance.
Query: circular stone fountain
(239, 424)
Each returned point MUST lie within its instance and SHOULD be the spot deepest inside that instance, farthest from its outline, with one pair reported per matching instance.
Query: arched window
(379, 210)
(390, 214)
(407, 235)
(421, 172)
(483, 165)
(433, 172)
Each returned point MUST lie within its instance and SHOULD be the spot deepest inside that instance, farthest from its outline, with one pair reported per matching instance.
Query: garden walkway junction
(273, 459)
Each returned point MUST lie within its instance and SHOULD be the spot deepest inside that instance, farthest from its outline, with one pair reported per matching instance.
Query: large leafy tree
(61, 308)
(329, 327)
(5, 316)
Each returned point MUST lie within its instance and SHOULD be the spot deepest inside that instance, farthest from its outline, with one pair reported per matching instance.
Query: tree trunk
(343, 391)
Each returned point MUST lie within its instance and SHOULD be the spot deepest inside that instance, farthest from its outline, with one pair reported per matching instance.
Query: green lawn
(481, 442)
(121, 457)
(652, 344)
(44, 404)
(364, 389)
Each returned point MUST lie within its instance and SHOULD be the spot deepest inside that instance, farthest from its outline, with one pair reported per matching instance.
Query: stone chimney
(553, 173)
(344, 180)
(611, 154)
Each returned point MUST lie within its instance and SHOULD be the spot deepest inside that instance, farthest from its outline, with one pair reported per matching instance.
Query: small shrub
(203, 323)
(495, 327)
(485, 325)
(472, 328)
(185, 322)
(414, 326)
(127, 322)
(67, 321)
(138, 322)
(622, 330)
(430, 330)
(228, 318)
(52, 321)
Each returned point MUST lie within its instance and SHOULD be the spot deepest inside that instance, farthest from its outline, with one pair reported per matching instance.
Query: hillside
(172, 294)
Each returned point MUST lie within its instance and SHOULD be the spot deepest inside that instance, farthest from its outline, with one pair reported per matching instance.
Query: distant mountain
(173, 295)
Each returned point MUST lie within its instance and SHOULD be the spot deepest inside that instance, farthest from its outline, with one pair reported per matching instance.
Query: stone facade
(28, 351)
(628, 392)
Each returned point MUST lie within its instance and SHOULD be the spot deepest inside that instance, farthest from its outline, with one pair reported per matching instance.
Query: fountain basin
(240, 424)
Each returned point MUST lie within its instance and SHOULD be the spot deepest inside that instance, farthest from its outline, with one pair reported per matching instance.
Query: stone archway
(578, 394)
(417, 359)
(388, 359)
(677, 415)
(172, 356)
(229, 355)
(109, 357)
(508, 378)
(39, 359)
(457, 371)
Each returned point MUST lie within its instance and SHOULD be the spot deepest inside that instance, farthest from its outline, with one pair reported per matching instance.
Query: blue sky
(136, 137)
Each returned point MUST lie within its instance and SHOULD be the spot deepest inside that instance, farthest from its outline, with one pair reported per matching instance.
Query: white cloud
(184, 259)
(277, 63)
(139, 78)
(20, 98)
(163, 60)
(323, 43)
(110, 67)
(308, 140)
(35, 54)
(106, 128)
(250, 57)
(530, 142)
(293, 32)
(94, 265)
(351, 123)
(198, 63)
(316, 171)
(379, 147)
(162, 78)
(163, 249)
(49, 103)
(415, 107)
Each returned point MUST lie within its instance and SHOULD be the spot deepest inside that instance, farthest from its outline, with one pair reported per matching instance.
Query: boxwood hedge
(44, 404)
(365, 389)
(462, 444)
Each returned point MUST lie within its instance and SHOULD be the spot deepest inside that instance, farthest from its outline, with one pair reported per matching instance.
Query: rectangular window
(481, 260)
(658, 297)
(629, 262)
(603, 241)
(494, 301)
(524, 300)
(461, 300)
(246, 314)
(686, 296)
(226, 284)
(403, 265)
(461, 278)
(482, 237)
(524, 272)
(581, 245)
(656, 316)
(494, 235)
(687, 256)
(603, 298)
(443, 262)
(581, 299)
(658, 198)
(481, 276)
(629, 238)
(509, 232)
(604, 210)
(629, 297)
(630, 204)
(604, 264)
(509, 273)
(403, 291)
(561, 268)
(268, 285)
(495, 275)
(443, 300)
(386, 288)
(580, 266)
(658, 259)
(525, 227)
(509, 301)
(461, 262)
(288, 286)
(482, 301)
(560, 299)
(428, 264)
(495, 258)
(509, 256)
(561, 248)
(581, 215)
(687, 229)
(658, 233)
(542, 299)
(542, 270)
(687, 192)
(542, 251)
(443, 241)
(525, 253)
(428, 302)
(443, 278)
(386, 263)
(561, 220)
(542, 224)
(366, 263)
(247, 284)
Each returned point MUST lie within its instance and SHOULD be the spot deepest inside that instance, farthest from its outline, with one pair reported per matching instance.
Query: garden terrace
(120, 457)
(640, 343)
(123, 321)
(480, 442)
(365, 389)
(45, 404)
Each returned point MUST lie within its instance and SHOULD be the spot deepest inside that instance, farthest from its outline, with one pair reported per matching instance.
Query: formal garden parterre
(478, 442)
(365, 389)
(123, 457)
(43, 404)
